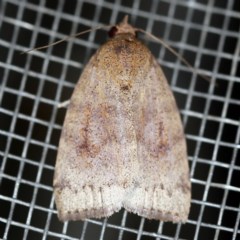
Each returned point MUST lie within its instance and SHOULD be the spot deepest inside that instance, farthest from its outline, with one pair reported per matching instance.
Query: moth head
(123, 27)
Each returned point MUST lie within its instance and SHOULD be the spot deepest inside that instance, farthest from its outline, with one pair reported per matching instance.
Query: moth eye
(112, 32)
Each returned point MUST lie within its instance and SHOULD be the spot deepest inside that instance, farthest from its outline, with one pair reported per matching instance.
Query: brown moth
(122, 143)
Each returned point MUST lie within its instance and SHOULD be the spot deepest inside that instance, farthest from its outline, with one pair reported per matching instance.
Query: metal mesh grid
(205, 32)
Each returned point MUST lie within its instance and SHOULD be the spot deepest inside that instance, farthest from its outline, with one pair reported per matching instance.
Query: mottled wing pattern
(122, 144)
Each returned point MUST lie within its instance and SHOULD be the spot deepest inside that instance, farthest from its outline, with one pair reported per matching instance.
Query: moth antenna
(67, 38)
(157, 39)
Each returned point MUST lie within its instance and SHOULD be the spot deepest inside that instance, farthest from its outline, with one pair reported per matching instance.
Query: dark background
(205, 32)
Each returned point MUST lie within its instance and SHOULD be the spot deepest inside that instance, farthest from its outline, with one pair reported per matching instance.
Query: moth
(122, 144)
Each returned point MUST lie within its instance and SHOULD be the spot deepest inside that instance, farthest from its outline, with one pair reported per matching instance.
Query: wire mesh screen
(204, 32)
